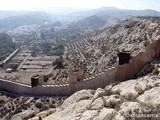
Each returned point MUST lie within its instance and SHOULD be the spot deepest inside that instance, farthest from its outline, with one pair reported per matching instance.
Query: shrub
(13, 66)
(39, 105)
(46, 77)
(108, 92)
(130, 97)
(58, 63)
(155, 71)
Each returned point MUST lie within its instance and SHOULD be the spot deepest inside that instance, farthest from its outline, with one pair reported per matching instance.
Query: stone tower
(72, 81)
(72, 77)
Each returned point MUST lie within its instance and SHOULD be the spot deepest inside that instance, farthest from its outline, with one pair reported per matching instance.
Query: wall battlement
(111, 75)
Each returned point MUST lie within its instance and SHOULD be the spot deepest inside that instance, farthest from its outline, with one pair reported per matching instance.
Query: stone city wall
(40, 90)
(119, 73)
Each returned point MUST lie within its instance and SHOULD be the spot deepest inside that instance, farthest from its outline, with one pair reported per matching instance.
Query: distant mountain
(31, 18)
(122, 13)
(106, 12)
(12, 19)
(90, 20)
(88, 23)
(85, 25)
(5, 14)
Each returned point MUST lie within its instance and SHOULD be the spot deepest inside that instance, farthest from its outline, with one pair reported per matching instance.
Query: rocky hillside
(95, 52)
(130, 100)
(99, 49)
(123, 101)
(135, 99)
(11, 105)
(87, 24)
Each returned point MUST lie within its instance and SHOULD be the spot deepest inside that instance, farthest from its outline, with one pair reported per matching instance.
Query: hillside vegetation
(6, 45)
(99, 49)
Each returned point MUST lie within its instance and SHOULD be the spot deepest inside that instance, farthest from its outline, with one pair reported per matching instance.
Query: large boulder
(151, 96)
(71, 112)
(105, 114)
(126, 88)
(113, 102)
(80, 95)
(43, 114)
(97, 104)
(89, 114)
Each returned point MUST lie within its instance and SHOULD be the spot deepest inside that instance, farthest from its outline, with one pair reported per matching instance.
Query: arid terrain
(11, 104)
(114, 102)
(52, 49)
(133, 34)
(98, 51)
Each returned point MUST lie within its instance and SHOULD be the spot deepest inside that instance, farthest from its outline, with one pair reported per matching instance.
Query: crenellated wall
(41, 90)
(98, 80)
(119, 73)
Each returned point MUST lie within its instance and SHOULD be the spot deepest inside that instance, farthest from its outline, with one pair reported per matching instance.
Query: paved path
(19, 67)
(11, 55)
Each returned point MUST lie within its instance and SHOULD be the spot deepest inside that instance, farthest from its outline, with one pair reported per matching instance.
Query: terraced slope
(98, 50)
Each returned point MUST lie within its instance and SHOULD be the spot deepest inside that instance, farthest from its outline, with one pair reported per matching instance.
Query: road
(19, 67)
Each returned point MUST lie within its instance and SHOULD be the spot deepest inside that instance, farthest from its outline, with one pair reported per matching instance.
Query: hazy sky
(41, 4)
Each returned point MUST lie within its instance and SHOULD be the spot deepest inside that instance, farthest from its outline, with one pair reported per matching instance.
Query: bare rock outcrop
(24, 115)
(150, 96)
(119, 101)
(80, 95)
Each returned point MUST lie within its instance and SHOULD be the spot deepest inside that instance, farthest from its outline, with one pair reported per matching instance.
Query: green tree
(46, 47)
(46, 77)
(6, 45)
(59, 46)
(59, 49)
(58, 63)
